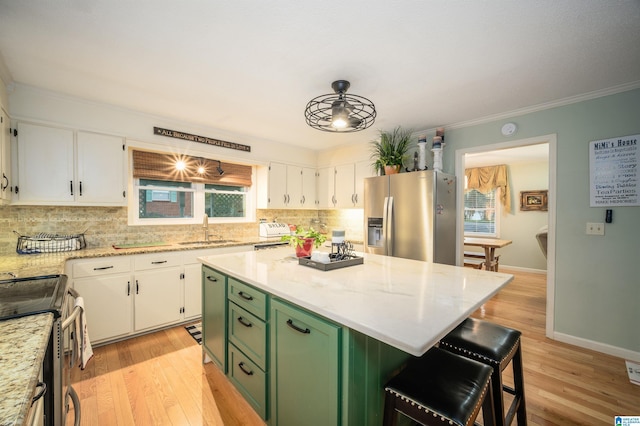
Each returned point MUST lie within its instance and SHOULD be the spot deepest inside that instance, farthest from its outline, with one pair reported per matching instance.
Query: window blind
(162, 166)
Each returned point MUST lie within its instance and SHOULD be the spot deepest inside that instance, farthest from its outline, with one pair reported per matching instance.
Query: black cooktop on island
(20, 297)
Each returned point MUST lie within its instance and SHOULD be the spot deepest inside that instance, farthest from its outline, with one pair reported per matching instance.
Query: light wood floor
(158, 379)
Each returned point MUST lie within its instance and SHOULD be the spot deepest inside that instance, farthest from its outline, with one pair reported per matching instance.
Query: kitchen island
(375, 316)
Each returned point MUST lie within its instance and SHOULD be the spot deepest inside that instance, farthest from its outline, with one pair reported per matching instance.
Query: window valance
(160, 166)
(485, 179)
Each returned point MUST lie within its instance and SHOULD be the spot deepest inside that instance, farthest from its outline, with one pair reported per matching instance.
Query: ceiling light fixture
(340, 112)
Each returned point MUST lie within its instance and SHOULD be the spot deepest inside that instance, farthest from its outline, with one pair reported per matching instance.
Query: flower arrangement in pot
(304, 241)
(390, 151)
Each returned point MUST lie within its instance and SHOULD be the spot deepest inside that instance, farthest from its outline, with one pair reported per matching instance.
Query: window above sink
(170, 189)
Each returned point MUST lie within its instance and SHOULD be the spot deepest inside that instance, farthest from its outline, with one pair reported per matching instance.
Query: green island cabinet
(214, 312)
(292, 365)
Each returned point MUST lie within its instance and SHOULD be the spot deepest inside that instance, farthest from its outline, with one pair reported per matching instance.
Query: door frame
(550, 139)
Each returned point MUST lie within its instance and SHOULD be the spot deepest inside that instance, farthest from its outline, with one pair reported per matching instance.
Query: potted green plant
(304, 240)
(389, 152)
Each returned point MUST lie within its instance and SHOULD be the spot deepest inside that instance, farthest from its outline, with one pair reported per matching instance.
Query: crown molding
(548, 105)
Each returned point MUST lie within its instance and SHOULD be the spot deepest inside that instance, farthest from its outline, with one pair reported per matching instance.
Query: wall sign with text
(614, 177)
(202, 139)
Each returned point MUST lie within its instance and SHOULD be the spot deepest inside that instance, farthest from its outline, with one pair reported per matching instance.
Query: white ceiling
(248, 67)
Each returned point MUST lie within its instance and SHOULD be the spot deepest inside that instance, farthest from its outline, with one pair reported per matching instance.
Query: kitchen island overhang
(407, 304)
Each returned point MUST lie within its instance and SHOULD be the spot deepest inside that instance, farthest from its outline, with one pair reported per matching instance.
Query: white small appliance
(274, 229)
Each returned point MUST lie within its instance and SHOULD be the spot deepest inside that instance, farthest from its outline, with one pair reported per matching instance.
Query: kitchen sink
(205, 243)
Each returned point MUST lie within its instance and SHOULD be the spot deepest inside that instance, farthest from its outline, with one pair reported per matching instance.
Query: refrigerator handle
(388, 225)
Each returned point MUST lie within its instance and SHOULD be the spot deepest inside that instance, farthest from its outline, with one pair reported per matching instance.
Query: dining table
(489, 246)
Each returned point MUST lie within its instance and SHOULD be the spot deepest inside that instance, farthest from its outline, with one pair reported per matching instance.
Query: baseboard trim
(597, 346)
(522, 269)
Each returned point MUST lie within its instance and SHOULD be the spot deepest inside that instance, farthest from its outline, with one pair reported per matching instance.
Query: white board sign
(614, 177)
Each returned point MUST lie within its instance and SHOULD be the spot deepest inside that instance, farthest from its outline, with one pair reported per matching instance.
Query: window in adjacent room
(481, 213)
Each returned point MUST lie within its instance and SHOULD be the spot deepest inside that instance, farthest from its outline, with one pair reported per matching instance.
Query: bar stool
(440, 388)
(496, 346)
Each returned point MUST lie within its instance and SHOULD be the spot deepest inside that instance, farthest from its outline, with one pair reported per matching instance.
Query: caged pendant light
(340, 112)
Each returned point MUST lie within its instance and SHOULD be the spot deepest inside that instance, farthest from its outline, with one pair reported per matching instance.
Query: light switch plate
(595, 228)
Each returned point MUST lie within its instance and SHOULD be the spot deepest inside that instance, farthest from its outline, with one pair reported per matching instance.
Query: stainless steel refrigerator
(411, 215)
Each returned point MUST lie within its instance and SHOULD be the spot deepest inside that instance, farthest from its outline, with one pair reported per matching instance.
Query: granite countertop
(404, 303)
(23, 343)
(23, 340)
(30, 265)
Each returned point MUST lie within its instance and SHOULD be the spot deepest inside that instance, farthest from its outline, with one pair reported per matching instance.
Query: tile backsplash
(105, 226)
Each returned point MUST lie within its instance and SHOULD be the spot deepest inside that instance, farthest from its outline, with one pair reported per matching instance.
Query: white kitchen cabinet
(363, 169)
(192, 291)
(308, 200)
(105, 284)
(45, 165)
(325, 188)
(101, 169)
(342, 186)
(158, 290)
(291, 186)
(158, 298)
(277, 186)
(62, 167)
(5, 157)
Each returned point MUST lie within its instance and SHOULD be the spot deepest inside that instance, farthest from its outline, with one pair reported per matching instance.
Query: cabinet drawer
(156, 260)
(248, 333)
(249, 380)
(249, 298)
(102, 266)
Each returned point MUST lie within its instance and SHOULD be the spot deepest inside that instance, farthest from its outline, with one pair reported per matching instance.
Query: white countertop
(405, 303)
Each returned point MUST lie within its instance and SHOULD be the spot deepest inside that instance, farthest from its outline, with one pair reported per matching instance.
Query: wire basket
(49, 243)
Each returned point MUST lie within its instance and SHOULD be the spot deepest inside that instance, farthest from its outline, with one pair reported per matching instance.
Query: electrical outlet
(595, 228)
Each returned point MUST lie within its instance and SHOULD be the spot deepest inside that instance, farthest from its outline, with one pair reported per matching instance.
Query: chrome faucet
(205, 225)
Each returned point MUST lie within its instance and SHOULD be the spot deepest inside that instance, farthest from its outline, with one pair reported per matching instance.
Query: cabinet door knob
(213, 279)
(296, 328)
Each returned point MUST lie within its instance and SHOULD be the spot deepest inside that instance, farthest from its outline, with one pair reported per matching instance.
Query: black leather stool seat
(497, 346)
(440, 388)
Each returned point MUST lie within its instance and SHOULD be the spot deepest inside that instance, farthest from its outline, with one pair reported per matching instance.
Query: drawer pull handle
(102, 268)
(243, 322)
(158, 262)
(296, 328)
(213, 279)
(247, 372)
(245, 296)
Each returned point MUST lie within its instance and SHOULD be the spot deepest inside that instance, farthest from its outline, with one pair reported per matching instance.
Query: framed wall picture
(533, 200)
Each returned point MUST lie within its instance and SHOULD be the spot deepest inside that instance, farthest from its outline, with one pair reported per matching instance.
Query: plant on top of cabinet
(390, 150)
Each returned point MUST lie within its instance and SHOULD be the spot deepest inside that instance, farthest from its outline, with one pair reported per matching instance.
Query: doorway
(504, 149)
